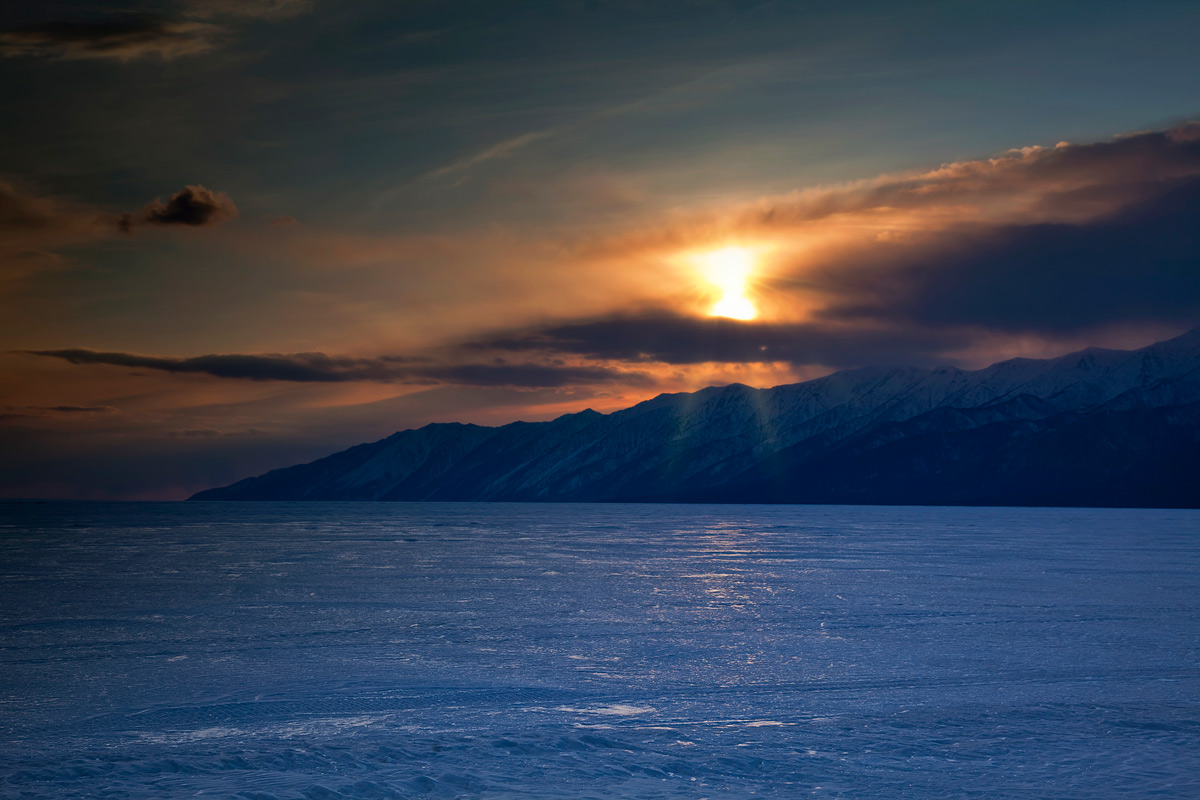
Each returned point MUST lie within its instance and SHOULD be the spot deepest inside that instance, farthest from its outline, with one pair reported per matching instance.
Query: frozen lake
(319, 651)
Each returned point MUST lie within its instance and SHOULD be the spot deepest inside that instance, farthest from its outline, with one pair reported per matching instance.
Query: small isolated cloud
(254, 9)
(195, 206)
(24, 212)
(322, 368)
(127, 37)
(35, 228)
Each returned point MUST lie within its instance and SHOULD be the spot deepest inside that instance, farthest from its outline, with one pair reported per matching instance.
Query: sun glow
(729, 270)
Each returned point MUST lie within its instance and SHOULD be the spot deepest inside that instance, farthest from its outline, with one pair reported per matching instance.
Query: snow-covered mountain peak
(1010, 432)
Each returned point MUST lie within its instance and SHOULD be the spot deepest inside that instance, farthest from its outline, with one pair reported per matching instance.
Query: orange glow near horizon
(729, 270)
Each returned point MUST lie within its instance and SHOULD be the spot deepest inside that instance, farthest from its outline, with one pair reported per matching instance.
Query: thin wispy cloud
(688, 93)
(459, 170)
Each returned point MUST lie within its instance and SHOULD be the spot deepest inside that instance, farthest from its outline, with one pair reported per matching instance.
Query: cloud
(43, 412)
(1064, 183)
(499, 150)
(255, 9)
(1140, 264)
(322, 368)
(1045, 241)
(35, 228)
(299, 367)
(127, 37)
(668, 337)
(24, 212)
(531, 375)
(194, 206)
(1042, 242)
(133, 36)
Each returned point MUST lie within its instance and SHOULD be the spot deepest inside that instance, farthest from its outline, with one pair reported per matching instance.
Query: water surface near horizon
(351, 650)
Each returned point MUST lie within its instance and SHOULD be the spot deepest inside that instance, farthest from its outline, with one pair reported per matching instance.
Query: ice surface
(597, 651)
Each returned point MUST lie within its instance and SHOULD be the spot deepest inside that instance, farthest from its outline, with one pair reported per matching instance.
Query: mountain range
(1093, 428)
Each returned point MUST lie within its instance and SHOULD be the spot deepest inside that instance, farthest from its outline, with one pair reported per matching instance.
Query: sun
(729, 270)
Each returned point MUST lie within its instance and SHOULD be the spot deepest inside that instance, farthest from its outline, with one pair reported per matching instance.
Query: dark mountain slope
(1098, 427)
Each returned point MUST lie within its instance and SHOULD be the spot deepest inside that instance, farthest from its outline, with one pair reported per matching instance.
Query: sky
(240, 234)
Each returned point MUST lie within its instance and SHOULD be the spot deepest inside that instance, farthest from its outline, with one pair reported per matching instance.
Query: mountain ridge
(1012, 433)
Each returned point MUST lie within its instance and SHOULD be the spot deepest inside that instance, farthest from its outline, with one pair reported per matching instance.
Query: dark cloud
(121, 38)
(1138, 265)
(23, 211)
(322, 368)
(532, 375)
(663, 336)
(36, 228)
(195, 206)
(256, 9)
(298, 367)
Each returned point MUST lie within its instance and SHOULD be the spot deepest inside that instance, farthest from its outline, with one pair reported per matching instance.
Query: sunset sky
(239, 234)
